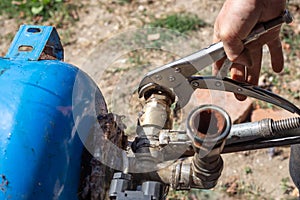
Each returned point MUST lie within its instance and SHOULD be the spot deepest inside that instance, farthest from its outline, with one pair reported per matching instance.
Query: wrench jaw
(150, 88)
(182, 93)
(145, 83)
(169, 80)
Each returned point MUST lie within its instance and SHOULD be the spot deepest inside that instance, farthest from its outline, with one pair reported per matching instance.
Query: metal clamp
(31, 42)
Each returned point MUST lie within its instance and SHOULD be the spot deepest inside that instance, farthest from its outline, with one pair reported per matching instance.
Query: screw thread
(285, 124)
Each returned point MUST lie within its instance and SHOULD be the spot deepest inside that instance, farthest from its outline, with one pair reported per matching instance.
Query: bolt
(239, 89)
(158, 77)
(195, 84)
(177, 69)
(218, 83)
(171, 78)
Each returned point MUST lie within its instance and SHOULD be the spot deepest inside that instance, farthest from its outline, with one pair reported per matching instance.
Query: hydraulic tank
(40, 148)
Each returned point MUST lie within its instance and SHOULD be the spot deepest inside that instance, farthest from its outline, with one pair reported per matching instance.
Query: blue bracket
(31, 42)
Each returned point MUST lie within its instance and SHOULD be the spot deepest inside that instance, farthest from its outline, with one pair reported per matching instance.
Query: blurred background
(86, 26)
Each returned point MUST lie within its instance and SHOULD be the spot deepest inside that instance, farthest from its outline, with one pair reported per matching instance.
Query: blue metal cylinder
(40, 150)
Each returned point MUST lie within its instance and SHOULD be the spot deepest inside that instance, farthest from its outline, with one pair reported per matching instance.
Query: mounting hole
(25, 48)
(34, 30)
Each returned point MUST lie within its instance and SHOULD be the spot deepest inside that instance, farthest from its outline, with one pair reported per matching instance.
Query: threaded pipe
(285, 124)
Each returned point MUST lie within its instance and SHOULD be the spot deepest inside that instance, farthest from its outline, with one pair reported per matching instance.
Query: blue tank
(40, 149)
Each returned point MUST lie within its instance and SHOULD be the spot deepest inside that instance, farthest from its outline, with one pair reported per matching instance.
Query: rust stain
(4, 183)
(113, 128)
(97, 176)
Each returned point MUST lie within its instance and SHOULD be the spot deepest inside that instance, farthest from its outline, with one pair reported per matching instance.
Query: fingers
(277, 59)
(217, 66)
(251, 75)
(254, 70)
(238, 73)
(233, 24)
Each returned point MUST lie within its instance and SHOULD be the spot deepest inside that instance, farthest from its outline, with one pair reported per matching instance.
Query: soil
(103, 44)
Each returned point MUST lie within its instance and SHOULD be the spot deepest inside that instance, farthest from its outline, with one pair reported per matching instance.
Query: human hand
(234, 23)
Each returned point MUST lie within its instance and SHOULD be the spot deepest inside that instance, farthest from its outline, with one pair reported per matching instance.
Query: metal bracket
(36, 43)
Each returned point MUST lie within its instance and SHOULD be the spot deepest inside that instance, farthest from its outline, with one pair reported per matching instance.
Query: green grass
(248, 170)
(181, 22)
(249, 191)
(136, 58)
(123, 2)
(286, 186)
(57, 12)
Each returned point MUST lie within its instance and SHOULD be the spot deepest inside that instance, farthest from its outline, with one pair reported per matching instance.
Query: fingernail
(240, 97)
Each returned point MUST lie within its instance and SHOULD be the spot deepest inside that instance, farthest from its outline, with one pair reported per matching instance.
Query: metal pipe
(263, 134)
(207, 126)
(247, 136)
(263, 130)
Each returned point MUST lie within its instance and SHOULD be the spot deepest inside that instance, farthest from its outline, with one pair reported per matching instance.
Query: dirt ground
(94, 44)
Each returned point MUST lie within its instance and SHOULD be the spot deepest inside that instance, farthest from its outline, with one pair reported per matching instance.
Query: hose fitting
(207, 126)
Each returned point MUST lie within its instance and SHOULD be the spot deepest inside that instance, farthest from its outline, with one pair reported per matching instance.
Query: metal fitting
(207, 126)
(157, 112)
(120, 183)
(206, 171)
(156, 115)
(122, 188)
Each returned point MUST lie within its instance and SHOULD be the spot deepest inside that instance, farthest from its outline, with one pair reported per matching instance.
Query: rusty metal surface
(97, 176)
